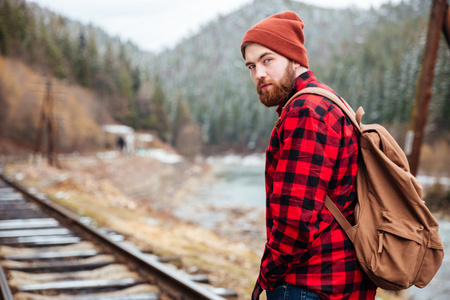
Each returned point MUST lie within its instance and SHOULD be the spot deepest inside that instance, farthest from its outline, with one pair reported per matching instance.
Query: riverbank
(165, 204)
(136, 196)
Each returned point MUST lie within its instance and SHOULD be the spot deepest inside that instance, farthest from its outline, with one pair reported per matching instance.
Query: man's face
(273, 74)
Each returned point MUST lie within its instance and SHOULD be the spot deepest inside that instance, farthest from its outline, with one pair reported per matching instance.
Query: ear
(296, 67)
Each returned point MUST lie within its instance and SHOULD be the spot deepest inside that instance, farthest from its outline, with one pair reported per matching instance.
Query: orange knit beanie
(282, 33)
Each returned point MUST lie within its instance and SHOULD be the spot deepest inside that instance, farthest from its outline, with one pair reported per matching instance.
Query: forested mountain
(372, 58)
(200, 89)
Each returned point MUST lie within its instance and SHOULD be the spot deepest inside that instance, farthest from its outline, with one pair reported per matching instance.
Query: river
(240, 185)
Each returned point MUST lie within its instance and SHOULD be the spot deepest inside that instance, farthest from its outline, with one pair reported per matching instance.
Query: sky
(154, 25)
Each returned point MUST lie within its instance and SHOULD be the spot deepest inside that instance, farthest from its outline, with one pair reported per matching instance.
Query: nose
(260, 73)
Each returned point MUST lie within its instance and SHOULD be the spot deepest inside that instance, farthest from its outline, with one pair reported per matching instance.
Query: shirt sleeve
(308, 151)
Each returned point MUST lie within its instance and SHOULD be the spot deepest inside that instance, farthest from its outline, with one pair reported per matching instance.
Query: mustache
(260, 83)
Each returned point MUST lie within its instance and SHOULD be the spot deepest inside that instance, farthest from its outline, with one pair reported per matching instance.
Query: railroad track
(47, 252)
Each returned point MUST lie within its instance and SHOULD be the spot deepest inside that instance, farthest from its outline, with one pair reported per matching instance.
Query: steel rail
(170, 282)
(4, 286)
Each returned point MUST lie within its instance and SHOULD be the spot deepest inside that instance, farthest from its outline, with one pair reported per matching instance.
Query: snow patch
(161, 155)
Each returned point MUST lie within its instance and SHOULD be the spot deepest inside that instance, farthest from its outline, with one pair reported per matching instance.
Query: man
(313, 152)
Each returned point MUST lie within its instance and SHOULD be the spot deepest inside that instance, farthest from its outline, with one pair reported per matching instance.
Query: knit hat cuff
(278, 44)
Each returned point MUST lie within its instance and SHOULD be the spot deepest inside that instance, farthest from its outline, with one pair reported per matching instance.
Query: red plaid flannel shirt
(313, 152)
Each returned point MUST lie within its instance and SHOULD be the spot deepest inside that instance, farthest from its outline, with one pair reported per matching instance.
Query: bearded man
(313, 152)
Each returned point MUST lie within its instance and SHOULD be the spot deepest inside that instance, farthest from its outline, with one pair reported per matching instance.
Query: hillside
(371, 58)
(22, 93)
(198, 96)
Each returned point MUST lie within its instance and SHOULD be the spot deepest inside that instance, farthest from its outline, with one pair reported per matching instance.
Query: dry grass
(22, 91)
(89, 187)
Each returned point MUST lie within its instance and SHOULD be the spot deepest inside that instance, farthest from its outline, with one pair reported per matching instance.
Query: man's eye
(267, 60)
(251, 67)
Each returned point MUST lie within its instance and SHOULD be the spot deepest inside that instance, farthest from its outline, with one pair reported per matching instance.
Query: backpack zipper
(380, 241)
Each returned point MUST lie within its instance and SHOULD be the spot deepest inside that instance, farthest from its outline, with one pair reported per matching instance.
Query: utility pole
(47, 127)
(439, 22)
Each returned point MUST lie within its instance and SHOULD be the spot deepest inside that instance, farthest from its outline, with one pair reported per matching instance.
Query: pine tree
(186, 133)
(159, 118)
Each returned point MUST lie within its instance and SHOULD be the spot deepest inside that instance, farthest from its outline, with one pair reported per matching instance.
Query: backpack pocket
(395, 258)
(432, 259)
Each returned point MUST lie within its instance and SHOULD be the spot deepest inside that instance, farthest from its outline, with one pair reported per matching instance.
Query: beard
(280, 91)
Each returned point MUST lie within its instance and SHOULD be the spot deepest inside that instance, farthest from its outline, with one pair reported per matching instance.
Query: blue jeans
(288, 291)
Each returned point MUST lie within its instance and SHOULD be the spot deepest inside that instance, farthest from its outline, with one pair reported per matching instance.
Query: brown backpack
(396, 238)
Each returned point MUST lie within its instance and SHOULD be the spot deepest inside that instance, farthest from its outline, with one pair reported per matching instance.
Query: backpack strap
(337, 214)
(355, 118)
